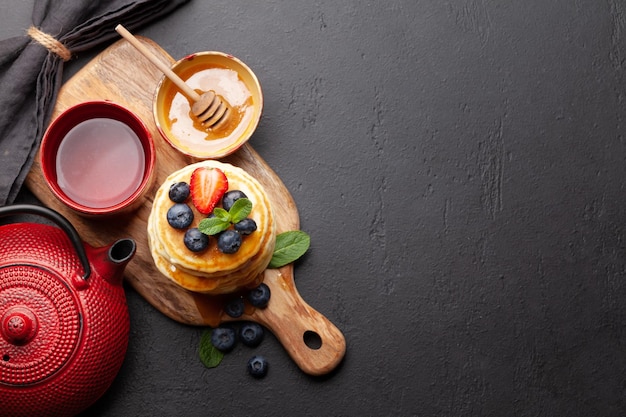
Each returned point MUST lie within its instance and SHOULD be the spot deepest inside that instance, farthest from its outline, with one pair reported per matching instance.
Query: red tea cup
(98, 158)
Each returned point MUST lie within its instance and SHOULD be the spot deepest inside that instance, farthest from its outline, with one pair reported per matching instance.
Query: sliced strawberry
(207, 186)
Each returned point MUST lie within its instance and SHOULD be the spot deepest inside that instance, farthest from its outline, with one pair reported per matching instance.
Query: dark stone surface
(461, 167)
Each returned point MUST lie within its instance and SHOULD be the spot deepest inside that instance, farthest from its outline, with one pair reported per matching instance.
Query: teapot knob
(19, 325)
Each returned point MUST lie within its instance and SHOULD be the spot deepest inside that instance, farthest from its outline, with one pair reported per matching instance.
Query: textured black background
(460, 167)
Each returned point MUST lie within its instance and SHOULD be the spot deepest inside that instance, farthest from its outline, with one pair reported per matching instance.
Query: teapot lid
(40, 324)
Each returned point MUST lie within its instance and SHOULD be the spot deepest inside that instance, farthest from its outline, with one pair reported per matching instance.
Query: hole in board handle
(312, 340)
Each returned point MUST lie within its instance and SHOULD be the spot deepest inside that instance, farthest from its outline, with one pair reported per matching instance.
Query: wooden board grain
(120, 74)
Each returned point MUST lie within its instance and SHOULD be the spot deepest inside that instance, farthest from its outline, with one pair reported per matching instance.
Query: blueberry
(195, 240)
(235, 307)
(251, 334)
(257, 366)
(223, 338)
(230, 197)
(246, 226)
(229, 241)
(259, 296)
(179, 192)
(180, 216)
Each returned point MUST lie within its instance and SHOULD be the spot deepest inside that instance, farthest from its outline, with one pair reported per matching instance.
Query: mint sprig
(222, 219)
(289, 247)
(209, 354)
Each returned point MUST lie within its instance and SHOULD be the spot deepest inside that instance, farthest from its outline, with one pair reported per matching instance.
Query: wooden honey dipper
(208, 108)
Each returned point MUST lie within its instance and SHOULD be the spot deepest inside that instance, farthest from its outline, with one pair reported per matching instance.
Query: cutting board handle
(312, 341)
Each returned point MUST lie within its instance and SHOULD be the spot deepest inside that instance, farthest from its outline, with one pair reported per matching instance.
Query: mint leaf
(209, 355)
(240, 210)
(221, 214)
(289, 247)
(222, 219)
(213, 225)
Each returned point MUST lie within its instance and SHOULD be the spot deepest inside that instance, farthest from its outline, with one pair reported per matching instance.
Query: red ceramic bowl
(98, 158)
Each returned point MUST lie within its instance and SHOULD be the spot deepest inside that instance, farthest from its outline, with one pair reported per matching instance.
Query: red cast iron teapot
(64, 320)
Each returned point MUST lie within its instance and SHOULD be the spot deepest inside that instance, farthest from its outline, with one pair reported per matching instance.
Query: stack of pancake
(212, 271)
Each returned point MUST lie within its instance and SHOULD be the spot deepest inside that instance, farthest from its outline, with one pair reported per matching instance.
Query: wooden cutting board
(120, 74)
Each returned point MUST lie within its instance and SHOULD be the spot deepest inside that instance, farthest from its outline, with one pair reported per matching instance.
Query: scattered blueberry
(180, 216)
(259, 296)
(179, 192)
(246, 226)
(229, 241)
(223, 338)
(230, 197)
(251, 334)
(195, 240)
(257, 366)
(235, 307)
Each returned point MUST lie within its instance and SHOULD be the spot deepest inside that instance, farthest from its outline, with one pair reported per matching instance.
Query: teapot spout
(110, 261)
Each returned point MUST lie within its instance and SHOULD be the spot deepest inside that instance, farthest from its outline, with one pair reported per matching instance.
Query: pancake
(212, 271)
